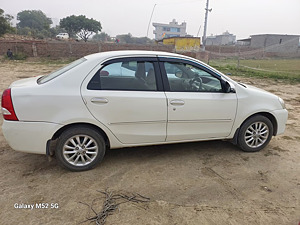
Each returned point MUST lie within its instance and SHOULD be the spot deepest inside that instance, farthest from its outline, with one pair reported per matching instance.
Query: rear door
(126, 96)
(197, 106)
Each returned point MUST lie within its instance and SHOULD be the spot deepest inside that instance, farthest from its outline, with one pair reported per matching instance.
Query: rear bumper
(281, 117)
(30, 137)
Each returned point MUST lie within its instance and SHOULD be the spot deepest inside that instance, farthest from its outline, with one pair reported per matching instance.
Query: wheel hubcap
(80, 150)
(256, 134)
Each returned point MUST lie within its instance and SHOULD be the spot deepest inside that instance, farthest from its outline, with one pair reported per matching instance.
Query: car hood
(25, 82)
(255, 89)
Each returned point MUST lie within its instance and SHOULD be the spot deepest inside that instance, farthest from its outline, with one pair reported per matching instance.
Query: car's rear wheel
(80, 148)
(255, 133)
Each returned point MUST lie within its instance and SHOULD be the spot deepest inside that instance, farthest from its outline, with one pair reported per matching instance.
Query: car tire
(80, 148)
(255, 133)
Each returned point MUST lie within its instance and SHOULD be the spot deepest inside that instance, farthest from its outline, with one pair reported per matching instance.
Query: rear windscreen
(60, 71)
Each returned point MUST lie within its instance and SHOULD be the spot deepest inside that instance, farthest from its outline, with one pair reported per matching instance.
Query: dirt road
(195, 183)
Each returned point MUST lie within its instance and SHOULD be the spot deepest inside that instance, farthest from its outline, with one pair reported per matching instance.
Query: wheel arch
(265, 114)
(273, 120)
(98, 129)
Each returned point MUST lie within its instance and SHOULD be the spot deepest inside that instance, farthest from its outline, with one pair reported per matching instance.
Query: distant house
(173, 29)
(224, 39)
(273, 42)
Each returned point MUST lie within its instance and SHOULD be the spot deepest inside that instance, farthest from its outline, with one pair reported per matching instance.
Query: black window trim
(128, 59)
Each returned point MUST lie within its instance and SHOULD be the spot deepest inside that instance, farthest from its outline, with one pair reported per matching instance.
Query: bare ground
(196, 183)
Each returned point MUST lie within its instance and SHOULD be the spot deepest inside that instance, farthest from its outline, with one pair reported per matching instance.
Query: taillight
(7, 106)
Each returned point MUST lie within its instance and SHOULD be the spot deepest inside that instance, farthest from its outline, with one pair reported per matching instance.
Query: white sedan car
(62, 36)
(134, 98)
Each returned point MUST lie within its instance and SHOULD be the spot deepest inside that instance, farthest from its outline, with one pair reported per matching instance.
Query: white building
(224, 39)
(173, 29)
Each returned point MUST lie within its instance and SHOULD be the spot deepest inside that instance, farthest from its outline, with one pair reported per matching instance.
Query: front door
(197, 106)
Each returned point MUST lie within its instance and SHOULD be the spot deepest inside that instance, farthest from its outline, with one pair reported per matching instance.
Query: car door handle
(177, 102)
(99, 100)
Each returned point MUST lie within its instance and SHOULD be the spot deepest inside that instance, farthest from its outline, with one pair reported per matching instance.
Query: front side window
(186, 77)
(127, 75)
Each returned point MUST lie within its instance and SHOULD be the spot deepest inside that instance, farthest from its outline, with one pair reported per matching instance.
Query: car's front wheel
(80, 148)
(255, 133)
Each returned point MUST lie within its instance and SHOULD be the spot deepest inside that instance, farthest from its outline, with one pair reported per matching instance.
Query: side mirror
(227, 87)
(178, 74)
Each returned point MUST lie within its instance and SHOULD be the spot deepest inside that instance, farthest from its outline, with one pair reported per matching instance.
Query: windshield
(60, 71)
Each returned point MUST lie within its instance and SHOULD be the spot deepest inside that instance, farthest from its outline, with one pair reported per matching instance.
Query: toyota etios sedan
(134, 98)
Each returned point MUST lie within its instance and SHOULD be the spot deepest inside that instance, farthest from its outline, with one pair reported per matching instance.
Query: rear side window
(129, 76)
(60, 71)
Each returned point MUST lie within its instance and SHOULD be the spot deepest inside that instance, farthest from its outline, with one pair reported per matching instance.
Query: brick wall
(60, 49)
(57, 49)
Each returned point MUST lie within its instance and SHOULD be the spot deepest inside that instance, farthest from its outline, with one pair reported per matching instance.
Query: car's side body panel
(58, 101)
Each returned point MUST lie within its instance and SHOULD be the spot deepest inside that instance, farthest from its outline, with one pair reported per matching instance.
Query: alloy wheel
(256, 134)
(80, 150)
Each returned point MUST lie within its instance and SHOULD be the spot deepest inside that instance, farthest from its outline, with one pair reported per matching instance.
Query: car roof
(133, 53)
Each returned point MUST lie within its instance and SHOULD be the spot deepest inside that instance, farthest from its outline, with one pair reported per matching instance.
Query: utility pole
(205, 25)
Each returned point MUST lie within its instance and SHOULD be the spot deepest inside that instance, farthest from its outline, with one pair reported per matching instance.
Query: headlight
(281, 102)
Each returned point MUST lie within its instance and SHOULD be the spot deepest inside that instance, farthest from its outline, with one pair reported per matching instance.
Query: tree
(102, 37)
(70, 24)
(129, 39)
(5, 26)
(34, 19)
(34, 23)
(81, 26)
(125, 38)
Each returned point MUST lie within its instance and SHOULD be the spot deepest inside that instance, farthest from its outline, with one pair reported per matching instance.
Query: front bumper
(281, 116)
(30, 137)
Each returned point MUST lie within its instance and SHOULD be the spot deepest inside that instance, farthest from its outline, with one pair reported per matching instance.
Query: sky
(240, 17)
